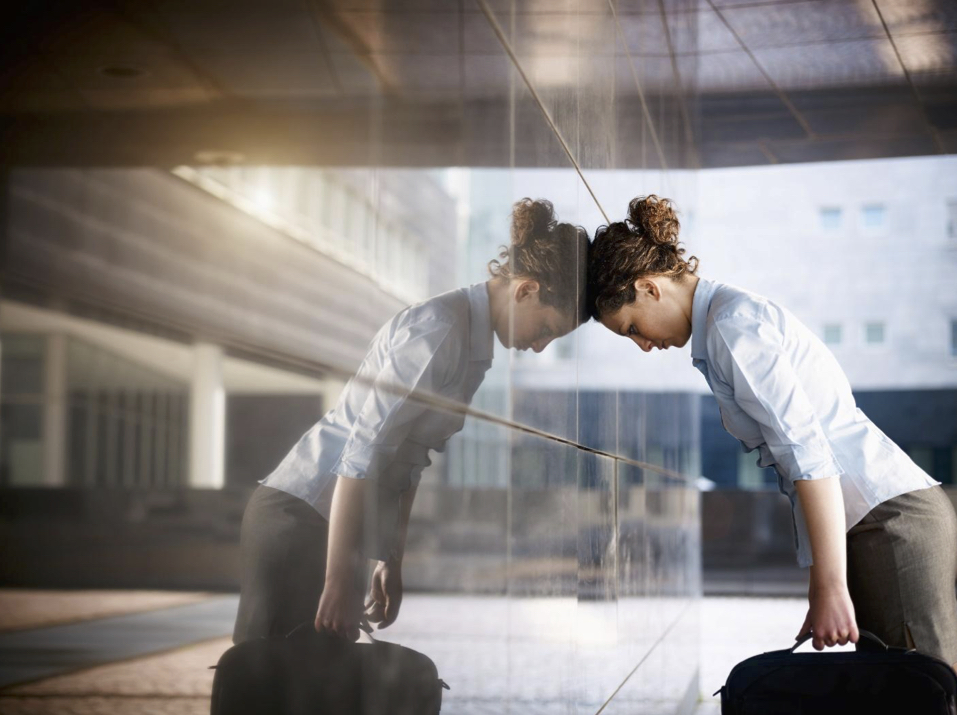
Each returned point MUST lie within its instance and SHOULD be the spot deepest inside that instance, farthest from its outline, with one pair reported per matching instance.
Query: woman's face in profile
(530, 324)
(652, 321)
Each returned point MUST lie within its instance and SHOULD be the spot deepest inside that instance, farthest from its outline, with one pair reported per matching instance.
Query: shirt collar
(481, 346)
(699, 317)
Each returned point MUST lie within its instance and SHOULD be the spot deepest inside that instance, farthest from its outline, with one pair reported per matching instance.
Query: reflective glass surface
(224, 318)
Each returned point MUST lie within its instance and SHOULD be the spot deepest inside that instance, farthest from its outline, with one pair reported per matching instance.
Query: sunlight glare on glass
(263, 199)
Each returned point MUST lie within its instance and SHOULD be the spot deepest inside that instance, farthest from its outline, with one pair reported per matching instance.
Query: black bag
(320, 674)
(870, 682)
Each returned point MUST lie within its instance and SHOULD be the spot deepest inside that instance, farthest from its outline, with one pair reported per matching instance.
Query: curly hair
(644, 244)
(553, 254)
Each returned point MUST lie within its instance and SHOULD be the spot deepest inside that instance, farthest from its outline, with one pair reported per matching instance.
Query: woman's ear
(647, 288)
(525, 289)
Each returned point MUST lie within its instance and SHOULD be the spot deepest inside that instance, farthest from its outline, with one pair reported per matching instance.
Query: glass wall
(561, 527)
(552, 562)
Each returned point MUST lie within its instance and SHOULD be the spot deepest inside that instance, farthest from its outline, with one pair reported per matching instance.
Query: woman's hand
(385, 594)
(340, 607)
(340, 610)
(830, 618)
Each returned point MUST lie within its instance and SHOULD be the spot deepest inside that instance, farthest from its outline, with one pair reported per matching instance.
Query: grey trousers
(282, 551)
(902, 568)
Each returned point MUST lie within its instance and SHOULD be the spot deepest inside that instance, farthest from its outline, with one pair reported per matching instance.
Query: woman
(780, 391)
(344, 492)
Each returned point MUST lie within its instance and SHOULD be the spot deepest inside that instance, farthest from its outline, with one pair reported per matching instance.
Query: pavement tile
(48, 652)
(176, 674)
(103, 706)
(22, 608)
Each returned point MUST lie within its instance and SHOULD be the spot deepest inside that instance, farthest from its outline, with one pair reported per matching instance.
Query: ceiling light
(219, 157)
(123, 71)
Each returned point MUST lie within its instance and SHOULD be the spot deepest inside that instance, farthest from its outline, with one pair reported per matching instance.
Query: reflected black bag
(870, 682)
(320, 674)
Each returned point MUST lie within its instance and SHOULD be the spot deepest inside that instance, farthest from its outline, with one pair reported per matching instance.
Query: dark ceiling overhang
(163, 82)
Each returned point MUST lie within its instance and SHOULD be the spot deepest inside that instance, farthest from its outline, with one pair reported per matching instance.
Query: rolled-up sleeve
(416, 364)
(766, 387)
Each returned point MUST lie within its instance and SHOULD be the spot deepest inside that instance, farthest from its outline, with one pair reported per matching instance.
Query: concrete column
(207, 418)
(54, 411)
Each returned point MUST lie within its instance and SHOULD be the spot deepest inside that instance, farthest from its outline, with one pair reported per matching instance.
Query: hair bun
(531, 218)
(655, 219)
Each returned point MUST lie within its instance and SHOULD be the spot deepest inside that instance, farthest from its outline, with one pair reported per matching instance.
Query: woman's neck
(685, 294)
(498, 296)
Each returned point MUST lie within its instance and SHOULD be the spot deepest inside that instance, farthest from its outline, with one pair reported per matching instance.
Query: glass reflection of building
(91, 401)
(116, 382)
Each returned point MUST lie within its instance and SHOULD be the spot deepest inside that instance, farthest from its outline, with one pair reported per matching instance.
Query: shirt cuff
(813, 463)
(363, 463)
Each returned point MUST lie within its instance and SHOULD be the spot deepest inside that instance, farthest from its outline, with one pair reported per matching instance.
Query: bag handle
(364, 628)
(864, 634)
(309, 627)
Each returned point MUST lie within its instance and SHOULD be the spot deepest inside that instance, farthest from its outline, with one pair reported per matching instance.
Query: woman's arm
(408, 496)
(385, 595)
(831, 614)
(340, 607)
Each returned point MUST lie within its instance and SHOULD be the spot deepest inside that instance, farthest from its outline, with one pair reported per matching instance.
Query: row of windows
(324, 211)
(875, 334)
(873, 218)
(125, 425)
(939, 462)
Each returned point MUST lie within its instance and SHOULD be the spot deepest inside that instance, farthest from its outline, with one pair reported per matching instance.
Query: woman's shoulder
(730, 302)
(451, 307)
(739, 318)
(440, 318)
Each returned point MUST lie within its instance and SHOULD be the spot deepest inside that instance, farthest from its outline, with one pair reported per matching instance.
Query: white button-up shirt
(443, 347)
(782, 392)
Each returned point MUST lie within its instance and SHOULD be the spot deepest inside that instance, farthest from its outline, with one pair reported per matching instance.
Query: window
(348, 219)
(832, 334)
(874, 333)
(923, 457)
(952, 219)
(953, 338)
(751, 476)
(873, 217)
(21, 409)
(262, 189)
(385, 240)
(335, 213)
(830, 218)
(315, 202)
(358, 224)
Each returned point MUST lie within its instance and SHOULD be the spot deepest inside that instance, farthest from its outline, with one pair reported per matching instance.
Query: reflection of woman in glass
(780, 391)
(345, 490)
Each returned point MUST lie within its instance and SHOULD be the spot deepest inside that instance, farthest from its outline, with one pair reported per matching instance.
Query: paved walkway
(44, 652)
(167, 669)
(23, 608)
